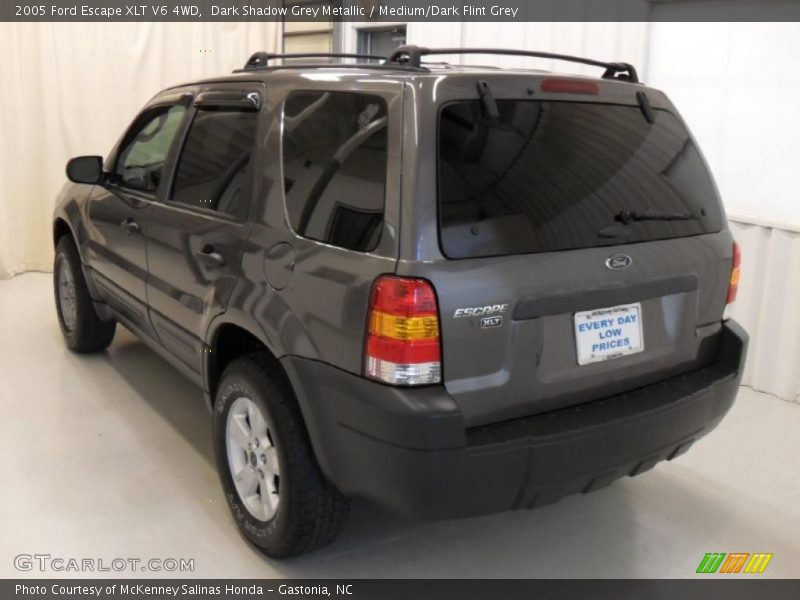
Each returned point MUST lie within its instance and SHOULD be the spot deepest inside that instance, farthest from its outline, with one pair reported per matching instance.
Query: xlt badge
(495, 321)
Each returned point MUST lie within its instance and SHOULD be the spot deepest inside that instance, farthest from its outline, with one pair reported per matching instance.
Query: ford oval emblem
(619, 261)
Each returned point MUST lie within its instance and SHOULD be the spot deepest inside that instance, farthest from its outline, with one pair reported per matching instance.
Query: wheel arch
(230, 338)
(69, 217)
(226, 341)
(63, 226)
(60, 229)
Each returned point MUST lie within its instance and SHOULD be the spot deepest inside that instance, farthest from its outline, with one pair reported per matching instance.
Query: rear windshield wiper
(488, 104)
(631, 216)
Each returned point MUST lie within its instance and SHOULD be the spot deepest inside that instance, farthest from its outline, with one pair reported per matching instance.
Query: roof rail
(412, 56)
(259, 60)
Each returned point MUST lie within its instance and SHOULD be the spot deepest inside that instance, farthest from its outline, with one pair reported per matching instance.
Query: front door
(121, 208)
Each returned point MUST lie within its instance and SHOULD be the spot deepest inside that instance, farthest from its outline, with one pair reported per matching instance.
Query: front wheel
(81, 326)
(272, 482)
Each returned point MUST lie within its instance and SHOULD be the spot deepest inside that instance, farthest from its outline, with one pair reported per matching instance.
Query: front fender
(72, 209)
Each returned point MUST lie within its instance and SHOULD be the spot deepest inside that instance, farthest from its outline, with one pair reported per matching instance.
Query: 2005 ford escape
(452, 290)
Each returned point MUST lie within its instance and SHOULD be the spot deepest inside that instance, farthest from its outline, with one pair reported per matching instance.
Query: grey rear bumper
(408, 448)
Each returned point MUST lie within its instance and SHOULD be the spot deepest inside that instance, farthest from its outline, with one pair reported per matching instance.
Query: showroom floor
(109, 456)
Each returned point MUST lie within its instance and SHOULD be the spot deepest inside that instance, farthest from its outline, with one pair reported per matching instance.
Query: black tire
(85, 332)
(310, 511)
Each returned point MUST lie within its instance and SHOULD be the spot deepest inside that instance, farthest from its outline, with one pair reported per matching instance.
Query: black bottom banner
(402, 589)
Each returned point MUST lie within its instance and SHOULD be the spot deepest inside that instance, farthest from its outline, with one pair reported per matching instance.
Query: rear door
(195, 240)
(584, 251)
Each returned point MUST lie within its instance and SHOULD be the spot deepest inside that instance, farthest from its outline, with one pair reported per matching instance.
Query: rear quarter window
(334, 166)
(549, 176)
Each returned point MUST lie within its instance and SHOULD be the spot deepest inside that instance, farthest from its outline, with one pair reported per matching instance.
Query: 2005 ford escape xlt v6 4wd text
(452, 290)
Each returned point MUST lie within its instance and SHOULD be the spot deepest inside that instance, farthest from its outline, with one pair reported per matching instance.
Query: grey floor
(109, 456)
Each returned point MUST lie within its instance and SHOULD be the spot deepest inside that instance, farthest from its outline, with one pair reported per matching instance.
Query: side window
(214, 159)
(141, 160)
(334, 167)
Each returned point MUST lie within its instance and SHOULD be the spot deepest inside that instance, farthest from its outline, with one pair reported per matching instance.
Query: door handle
(130, 226)
(211, 257)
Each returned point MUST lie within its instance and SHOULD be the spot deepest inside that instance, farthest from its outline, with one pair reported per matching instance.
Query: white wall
(71, 89)
(767, 306)
(736, 85)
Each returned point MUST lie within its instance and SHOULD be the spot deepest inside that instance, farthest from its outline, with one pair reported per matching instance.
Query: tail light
(403, 345)
(733, 286)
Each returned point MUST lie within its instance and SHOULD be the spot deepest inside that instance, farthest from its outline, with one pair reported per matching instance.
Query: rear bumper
(409, 450)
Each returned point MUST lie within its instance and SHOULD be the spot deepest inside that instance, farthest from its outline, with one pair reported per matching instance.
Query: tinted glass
(141, 160)
(552, 176)
(334, 167)
(214, 160)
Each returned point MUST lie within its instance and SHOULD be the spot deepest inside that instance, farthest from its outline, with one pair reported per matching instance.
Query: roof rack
(260, 60)
(412, 56)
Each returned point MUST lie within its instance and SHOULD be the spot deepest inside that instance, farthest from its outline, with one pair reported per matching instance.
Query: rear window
(548, 176)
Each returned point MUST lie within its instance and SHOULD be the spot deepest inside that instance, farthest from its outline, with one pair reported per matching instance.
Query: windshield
(548, 176)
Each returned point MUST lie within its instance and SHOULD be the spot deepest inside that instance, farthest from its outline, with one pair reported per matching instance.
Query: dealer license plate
(607, 333)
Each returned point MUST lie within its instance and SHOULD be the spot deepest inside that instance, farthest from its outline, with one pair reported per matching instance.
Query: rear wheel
(272, 482)
(81, 326)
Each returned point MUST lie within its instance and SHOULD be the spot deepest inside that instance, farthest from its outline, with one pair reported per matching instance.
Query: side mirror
(85, 169)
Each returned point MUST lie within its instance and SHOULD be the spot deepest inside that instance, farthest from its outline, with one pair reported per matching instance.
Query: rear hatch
(584, 248)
